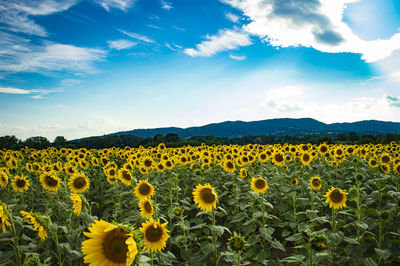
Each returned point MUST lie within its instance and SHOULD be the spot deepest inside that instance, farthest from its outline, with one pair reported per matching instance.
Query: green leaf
(351, 240)
(361, 224)
(383, 253)
(207, 248)
(369, 262)
(276, 244)
(294, 237)
(294, 259)
(218, 229)
(267, 232)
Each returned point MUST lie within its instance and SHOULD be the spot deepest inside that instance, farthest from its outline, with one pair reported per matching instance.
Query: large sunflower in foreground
(144, 190)
(78, 183)
(205, 197)
(259, 185)
(108, 244)
(146, 208)
(315, 182)
(37, 222)
(155, 235)
(20, 183)
(336, 198)
(50, 181)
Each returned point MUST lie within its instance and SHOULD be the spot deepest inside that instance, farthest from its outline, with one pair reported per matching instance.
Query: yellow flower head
(205, 197)
(144, 190)
(155, 235)
(336, 198)
(108, 244)
(259, 185)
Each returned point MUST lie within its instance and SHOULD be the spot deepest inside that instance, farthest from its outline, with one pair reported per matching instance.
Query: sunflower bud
(237, 242)
(319, 242)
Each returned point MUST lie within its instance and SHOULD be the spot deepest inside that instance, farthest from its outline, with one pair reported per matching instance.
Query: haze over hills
(275, 127)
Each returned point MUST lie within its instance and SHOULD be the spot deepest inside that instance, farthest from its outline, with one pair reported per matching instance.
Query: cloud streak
(225, 40)
(120, 44)
(137, 36)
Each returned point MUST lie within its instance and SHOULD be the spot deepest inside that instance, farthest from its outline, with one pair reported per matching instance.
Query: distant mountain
(276, 127)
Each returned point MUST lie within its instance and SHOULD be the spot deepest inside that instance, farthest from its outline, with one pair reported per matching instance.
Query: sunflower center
(50, 181)
(385, 159)
(114, 247)
(153, 233)
(316, 182)
(126, 175)
(278, 157)
(260, 183)
(306, 157)
(147, 206)
(144, 189)
(237, 244)
(207, 195)
(263, 156)
(229, 165)
(293, 181)
(168, 163)
(20, 183)
(80, 182)
(112, 172)
(336, 196)
(324, 149)
(147, 163)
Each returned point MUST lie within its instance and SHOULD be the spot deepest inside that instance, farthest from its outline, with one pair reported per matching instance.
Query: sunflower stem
(333, 220)
(310, 255)
(214, 237)
(152, 258)
(16, 239)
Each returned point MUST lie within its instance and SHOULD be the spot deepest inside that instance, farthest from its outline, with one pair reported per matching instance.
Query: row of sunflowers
(221, 205)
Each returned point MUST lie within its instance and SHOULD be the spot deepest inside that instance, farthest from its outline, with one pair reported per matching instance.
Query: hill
(274, 127)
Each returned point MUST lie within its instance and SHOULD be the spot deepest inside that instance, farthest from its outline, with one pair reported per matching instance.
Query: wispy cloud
(35, 94)
(15, 14)
(392, 100)
(224, 40)
(166, 5)
(154, 26)
(232, 17)
(20, 55)
(124, 5)
(316, 24)
(70, 82)
(137, 36)
(238, 57)
(173, 46)
(121, 44)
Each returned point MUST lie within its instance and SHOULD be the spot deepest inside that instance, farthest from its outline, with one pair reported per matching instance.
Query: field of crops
(206, 205)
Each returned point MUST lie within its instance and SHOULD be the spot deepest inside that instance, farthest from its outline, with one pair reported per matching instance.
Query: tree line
(173, 140)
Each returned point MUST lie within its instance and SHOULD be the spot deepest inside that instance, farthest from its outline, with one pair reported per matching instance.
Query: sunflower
(155, 235)
(94, 161)
(3, 218)
(336, 198)
(125, 176)
(29, 167)
(3, 178)
(385, 158)
(259, 185)
(385, 168)
(20, 183)
(144, 190)
(37, 221)
(229, 166)
(373, 163)
(237, 243)
(78, 183)
(50, 181)
(396, 168)
(205, 197)
(306, 158)
(76, 203)
(263, 157)
(243, 173)
(294, 182)
(146, 208)
(108, 244)
(278, 158)
(315, 182)
(147, 162)
(84, 164)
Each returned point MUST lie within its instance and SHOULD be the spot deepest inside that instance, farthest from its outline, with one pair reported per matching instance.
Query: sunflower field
(205, 205)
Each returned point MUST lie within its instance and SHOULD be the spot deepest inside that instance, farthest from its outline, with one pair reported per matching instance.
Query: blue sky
(91, 67)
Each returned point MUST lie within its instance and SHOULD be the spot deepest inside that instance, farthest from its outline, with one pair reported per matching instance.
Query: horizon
(79, 68)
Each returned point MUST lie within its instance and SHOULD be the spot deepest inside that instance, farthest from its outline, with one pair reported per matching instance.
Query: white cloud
(20, 55)
(70, 82)
(37, 93)
(14, 90)
(310, 23)
(120, 4)
(238, 57)
(95, 126)
(166, 5)
(232, 17)
(16, 14)
(137, 36)
(173, 46)
(121, 44)
(224, 40)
